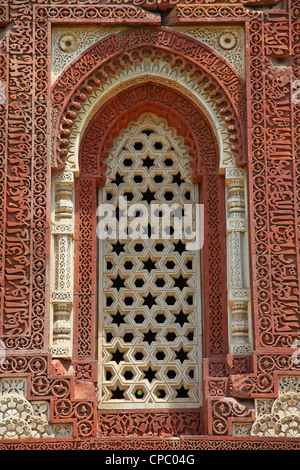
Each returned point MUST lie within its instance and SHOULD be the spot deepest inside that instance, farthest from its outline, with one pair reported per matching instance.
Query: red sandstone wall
(272, 135)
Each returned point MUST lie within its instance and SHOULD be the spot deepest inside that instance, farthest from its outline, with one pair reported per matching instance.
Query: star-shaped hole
(117, 356)
(181, 355)
(117, 394)
(181, 318)
(150, 374)
(180, 282)
(118, 282)
(149, 300)
(182, 392)
(118, 179)
(180, 247)
(118, 318)
(149, 337)
(148, 196)
(148, 162)
(118, 247)
(177, 179)
(149, 265)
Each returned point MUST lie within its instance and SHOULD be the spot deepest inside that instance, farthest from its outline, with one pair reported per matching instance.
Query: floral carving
(284, 419)
(141, 423)
(18, 421)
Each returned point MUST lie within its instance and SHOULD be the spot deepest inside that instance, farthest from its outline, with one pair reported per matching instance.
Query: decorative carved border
(223, 83)
(169, 423)
(126, 106)
(265, 37)
(158, 70)
(183, 443)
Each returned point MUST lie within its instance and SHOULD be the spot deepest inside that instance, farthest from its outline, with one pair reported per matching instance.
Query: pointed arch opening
(151, 145)
(197, 105)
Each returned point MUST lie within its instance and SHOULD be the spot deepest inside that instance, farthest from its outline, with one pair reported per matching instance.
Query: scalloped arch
(111, 54)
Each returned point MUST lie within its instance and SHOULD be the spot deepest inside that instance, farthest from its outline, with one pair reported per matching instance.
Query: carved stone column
(62, 264)
(238, 263)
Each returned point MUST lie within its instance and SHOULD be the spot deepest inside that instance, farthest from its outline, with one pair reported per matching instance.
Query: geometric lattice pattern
(150, 312)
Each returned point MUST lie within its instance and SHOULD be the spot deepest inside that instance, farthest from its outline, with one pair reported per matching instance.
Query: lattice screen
(150, 305)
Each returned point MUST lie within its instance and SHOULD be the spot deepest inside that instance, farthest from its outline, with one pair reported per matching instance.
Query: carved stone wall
(61, 63)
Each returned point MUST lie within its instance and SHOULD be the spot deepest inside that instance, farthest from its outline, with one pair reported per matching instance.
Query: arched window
(150, 320)
(150, 309)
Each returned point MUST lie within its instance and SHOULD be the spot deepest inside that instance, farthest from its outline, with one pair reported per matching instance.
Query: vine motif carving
(226, 408)
(263, 381)
(85, 256)
(133, 423)
(56, 389)
(185, 13)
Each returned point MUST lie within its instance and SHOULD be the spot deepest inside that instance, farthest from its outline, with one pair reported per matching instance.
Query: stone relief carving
(62, 281)
(241, 429)
(228, 42)
(160, 71)
(283, 420)
(275, 417)
(21, 419)
(279, 417)
(238, 271)
(70, 41)
(18, 421)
